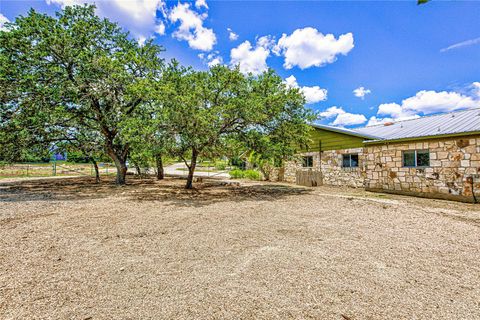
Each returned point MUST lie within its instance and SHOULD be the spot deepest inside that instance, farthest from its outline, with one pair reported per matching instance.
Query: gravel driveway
(151, 250)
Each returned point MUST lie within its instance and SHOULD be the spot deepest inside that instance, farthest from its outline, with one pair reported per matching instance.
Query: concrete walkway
(179, 169)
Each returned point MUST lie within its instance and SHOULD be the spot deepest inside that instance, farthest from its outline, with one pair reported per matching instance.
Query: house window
(308, 162)
(416, 158)
(350, 160)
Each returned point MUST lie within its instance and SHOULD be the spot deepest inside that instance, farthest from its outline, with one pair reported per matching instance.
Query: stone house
(434, 156)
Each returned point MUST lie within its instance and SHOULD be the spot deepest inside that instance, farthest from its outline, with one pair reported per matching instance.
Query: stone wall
(454, 165)
(331, 168)
(453, 162)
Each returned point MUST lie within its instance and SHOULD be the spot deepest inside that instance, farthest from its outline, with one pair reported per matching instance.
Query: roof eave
(347, 132)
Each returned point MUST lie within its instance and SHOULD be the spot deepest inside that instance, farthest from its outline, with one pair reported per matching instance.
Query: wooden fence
(19, 170)
(309, 178)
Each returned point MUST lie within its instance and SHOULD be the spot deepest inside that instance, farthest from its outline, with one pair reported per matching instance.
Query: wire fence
(34, 169)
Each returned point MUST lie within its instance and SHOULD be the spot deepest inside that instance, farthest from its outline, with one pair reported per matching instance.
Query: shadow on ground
(171, 191)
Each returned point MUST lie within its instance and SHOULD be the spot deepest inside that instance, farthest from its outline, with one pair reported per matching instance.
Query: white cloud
(191, 28)
(215, 61)
(211, 59)
(349, 119)
(267, 42)
(467, 43)
(312, 94)
(251, 60)
(373, 121)
(392, 112)
(160, 28)
(476, 89)
(137, 16)
(331, 112)
(201, 3)
(342, 118)
(428, 102)
(395, 111)
(232, 35)
(361, 92)
(3, 20)
(308, 47)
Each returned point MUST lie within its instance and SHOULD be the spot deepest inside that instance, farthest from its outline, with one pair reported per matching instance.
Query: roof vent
(453, 116)
(386, 124)
(439, 129)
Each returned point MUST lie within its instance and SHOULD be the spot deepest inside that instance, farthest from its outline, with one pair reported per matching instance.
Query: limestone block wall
(331, 168)
(453, 162)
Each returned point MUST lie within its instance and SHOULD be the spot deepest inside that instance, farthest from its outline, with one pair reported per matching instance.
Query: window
(350, 160)
(416, 158)
(308, 161)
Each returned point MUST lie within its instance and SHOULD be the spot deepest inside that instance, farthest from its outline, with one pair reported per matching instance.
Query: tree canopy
(79, 82)
(75, 72)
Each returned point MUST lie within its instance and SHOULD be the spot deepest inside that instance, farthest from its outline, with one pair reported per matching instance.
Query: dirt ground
(151, 250)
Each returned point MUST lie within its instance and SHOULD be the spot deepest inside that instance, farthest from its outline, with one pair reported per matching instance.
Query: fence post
(54, 168)
(27, 169)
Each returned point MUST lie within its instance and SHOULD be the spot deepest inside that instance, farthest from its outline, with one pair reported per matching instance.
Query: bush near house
(245, 174)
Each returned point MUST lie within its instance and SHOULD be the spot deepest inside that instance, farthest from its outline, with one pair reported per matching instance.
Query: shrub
(220, 166)
(252, 175)
(247, 174)
(237, 174)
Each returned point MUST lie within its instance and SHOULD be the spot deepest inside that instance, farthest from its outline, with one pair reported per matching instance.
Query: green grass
(218, 165)
(245, 174)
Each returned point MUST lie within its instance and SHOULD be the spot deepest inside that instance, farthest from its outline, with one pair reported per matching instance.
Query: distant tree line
(79, 83)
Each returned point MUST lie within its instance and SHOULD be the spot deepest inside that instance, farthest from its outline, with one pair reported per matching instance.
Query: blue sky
(402, 60)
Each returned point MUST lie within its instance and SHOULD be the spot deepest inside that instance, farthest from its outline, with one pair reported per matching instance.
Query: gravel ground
(151, 250)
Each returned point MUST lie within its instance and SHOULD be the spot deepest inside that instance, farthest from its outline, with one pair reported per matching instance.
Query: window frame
(305, 162)
(415, 158)
(350, 160)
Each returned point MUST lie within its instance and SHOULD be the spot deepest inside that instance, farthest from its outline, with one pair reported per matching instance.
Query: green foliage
(245, 174)
(73, 73)
(252, 174)
(220, 166)
(211, 110)
(237, 173)
(203, 110)
(78, 83)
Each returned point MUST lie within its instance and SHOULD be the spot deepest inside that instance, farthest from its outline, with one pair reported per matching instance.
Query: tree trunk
(121, 172)
(265, 172)
(191, 170)
(137, 167)
(159, 162)
(97, 172)
(121, 165)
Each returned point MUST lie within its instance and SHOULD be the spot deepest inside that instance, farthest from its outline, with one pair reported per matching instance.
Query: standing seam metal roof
(441, 124)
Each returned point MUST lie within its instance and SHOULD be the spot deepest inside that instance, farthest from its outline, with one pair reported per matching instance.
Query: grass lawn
(70, 249)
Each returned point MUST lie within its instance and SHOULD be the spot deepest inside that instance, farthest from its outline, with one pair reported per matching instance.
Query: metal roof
(345, 131)
(441, 124)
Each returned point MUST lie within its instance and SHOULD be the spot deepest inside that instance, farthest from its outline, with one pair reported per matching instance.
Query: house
(434, 156)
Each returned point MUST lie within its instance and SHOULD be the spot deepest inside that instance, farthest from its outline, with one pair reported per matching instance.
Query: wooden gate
(309, 178)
